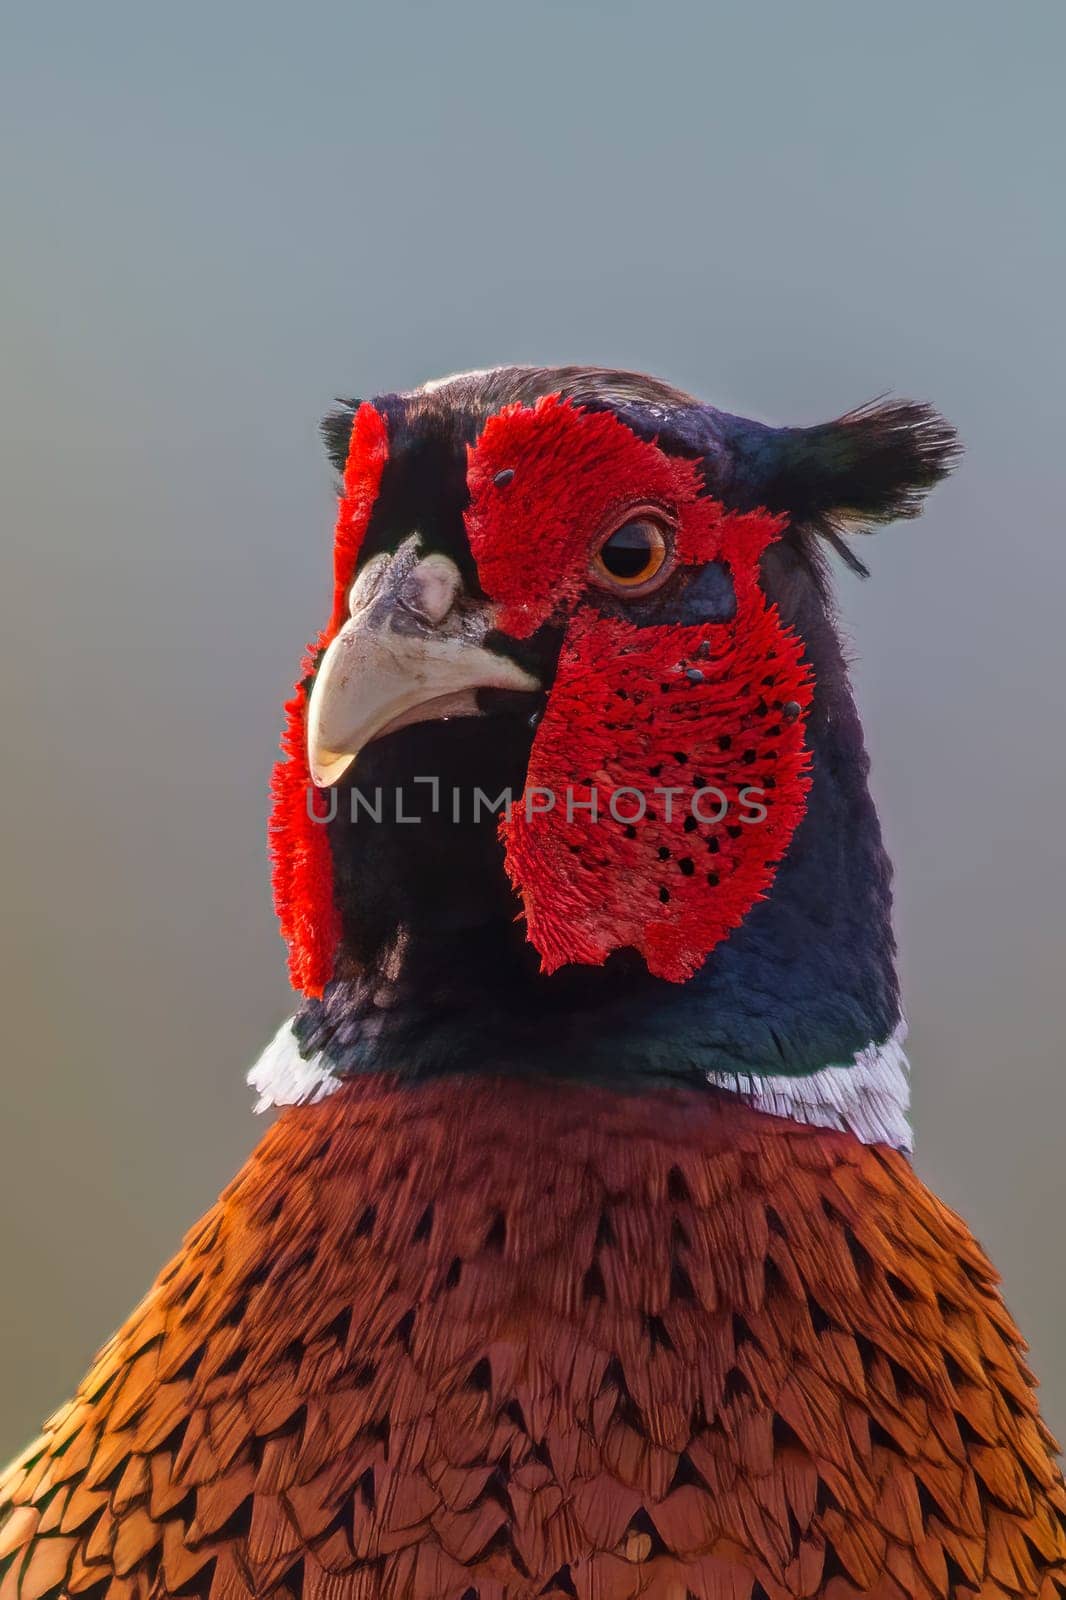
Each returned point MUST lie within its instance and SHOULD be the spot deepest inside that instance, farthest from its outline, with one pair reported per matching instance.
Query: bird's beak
(412, 650)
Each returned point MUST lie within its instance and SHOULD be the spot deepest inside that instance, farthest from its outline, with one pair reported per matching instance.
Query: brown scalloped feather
(476, 1340)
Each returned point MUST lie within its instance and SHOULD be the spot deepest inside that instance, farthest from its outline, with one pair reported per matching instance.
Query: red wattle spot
(624, 714)
(368, 452)
(668, 874)
(302, 867)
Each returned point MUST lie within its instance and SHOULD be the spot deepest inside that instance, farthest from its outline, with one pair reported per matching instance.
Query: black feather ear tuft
(871, 466)
(336, 430)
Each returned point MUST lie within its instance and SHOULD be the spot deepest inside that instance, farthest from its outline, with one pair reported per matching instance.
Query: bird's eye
(635, 557)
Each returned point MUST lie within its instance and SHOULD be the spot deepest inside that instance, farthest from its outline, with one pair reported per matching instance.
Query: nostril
(429, 590)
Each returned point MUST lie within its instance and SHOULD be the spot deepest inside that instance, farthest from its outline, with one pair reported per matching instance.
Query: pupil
(628, 552)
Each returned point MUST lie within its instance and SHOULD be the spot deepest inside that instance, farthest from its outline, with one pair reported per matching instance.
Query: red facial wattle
(639, 719)
(299, 847)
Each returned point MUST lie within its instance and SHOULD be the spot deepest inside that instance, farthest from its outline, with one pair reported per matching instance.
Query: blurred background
(216, 217)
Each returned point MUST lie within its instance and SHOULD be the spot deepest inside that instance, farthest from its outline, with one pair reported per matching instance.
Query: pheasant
(584, 1256)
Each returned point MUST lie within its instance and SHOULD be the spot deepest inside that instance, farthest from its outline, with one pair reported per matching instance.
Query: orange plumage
(503, 1339)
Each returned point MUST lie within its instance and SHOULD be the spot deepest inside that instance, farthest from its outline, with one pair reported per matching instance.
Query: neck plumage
(797, 1011)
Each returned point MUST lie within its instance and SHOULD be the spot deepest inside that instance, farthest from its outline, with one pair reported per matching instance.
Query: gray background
(216, 217)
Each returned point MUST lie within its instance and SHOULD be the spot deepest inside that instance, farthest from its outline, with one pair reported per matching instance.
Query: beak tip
(325, 767)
